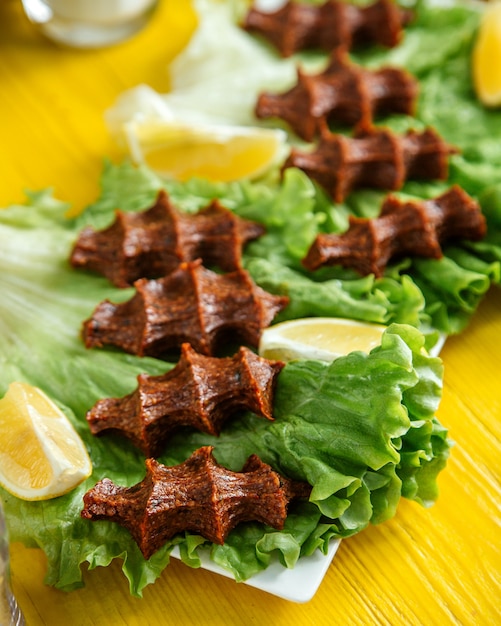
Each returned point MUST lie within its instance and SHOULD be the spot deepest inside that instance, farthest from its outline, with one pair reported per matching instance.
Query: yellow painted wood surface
(426, 566)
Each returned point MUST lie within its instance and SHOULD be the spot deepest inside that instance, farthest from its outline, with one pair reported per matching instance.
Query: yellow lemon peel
(486, 60)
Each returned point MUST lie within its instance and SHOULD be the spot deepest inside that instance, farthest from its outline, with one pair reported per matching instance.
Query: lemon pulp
(218, 153)
(318, 338)
(41, 454)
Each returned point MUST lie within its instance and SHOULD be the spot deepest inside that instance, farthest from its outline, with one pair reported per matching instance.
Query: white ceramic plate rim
(298, 584)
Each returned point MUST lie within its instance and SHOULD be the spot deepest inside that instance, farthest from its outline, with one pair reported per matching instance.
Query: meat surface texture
(200, 392)
(300, 26)
(343, 93)
(375, 158)
(192, 305)
(198, 496)
(154, 242)
(412, 228)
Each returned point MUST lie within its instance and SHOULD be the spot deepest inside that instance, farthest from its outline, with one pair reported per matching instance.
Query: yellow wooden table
(436, 566)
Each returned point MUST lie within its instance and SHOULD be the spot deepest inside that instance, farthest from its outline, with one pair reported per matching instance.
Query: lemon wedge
(41, 454)
(319, 338)
(214, 152)
(486, 61)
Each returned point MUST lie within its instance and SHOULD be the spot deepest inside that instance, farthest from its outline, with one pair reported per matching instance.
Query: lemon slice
(41, 454)
(218, 153)
(319, 338)
(487, 57)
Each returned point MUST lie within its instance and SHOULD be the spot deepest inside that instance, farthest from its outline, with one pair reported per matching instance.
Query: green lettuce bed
(361, 430)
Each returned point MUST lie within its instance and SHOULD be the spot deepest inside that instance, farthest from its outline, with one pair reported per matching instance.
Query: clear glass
(10, 613)
(89, 23)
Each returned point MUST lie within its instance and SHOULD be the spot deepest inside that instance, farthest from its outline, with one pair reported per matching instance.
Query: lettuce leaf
(334, 427)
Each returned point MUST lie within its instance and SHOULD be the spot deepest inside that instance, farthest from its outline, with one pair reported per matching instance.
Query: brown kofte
(201, 392)
(198, 496)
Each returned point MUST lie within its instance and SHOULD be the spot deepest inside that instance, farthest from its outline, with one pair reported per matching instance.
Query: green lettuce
(207, 86)
(362, 430)
(433, 295)
(453, 286)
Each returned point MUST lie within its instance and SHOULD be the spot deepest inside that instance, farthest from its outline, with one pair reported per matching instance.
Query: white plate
(298, 584)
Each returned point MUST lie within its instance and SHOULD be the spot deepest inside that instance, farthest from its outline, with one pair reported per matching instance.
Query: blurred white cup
(89, 23)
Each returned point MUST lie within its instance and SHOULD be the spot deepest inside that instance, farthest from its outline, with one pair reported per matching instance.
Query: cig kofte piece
(198, 496)
(200, 392)
(344, 93)
(375, 158)
(300, 26)
(192, 305)
(403, 228)
(152, 243)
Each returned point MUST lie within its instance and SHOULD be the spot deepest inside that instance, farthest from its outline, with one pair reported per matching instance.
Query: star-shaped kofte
(199, 496)
(201, 392)
(192, 305)
(411, 228)
(152, 243)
